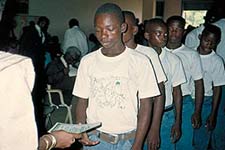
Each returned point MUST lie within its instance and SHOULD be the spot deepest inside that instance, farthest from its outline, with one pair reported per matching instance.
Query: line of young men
(127, 91)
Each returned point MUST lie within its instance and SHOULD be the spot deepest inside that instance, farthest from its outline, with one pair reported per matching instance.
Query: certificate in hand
(74, 128)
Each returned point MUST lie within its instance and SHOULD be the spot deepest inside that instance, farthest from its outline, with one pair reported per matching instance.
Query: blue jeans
(201, 136)
(165, 131)
(218, 134)
(103, 145)
(185, 142)
(166, 125)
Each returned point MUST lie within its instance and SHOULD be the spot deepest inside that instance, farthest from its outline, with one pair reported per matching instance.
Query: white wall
(61, 11)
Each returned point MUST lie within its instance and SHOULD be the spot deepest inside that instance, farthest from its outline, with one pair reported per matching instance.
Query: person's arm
(143, 121)
(176, 128)
(199, 93)
(153, 134)
(57, 139)
(211, 120)
(81, 117)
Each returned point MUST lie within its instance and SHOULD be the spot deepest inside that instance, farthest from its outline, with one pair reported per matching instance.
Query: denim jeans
(185, 142)
(165, 131)
(201, 136)
(103, 145)
(218, 134)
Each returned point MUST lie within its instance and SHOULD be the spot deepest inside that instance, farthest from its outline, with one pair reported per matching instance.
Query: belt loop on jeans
(114, 138)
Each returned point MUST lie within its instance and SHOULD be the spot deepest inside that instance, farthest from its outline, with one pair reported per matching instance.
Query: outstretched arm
(81, 116)
(57, 139)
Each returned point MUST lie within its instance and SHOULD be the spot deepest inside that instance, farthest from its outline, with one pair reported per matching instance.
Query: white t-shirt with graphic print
(111, 85)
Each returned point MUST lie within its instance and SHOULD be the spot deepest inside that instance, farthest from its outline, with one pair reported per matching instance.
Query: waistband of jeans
(114, 138)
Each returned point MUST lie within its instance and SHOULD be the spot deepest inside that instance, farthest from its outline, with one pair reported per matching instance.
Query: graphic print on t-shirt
(110, 92)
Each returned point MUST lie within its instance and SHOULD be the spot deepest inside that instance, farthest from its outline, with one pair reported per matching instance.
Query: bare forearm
(159, 102)
(216, 99)
(199, 93)
(143, 120)
(177, 97)
(80, 111)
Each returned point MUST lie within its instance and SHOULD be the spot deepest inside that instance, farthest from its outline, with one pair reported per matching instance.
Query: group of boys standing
(165, 94)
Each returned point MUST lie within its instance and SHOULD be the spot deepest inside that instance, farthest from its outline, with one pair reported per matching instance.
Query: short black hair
(179, 19)
(212, 29)
(131, 15)
(154, 21)
(73, 22)
(110, 8)
(43, 18)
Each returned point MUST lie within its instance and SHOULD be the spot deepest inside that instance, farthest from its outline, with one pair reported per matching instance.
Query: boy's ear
(123, 27)
(146, 35)
(135, 30)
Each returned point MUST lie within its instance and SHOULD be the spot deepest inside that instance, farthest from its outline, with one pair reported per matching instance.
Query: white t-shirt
(193, 41)
(213, 72)
(174, 73)
(154, 58)
(75, 37)
(111, 85)
(192, 67)
(18, 127)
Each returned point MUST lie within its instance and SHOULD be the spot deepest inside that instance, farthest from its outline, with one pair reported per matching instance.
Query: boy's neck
(173, 45)
(131, 44)
(202, 52)
(112, 52)
(158, 50)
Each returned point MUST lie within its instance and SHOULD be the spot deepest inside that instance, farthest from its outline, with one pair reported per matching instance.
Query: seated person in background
(61, 72)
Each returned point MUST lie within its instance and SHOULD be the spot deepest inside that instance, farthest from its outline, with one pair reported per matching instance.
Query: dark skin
(207, 44)
(159, 101)
(157, 37)
(109, 33)
(129, 41)
(176, 32)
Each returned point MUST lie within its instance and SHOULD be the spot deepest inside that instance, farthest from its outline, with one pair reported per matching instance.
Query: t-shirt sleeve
(159, 72)
(148, 86)
(196, 67)
(191, 40)
(218, 74)
(29, 73)
(178, 76)
(81, 87)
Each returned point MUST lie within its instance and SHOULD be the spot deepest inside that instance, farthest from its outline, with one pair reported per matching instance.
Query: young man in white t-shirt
(111, 83)
(156, 35)
(214, 78)
(129, 41)
(191, 114)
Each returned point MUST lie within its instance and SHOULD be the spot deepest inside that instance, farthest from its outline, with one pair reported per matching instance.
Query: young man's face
(157, 35)
(176, 32)
(108, 30)
(208, 43)
(131, 30)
